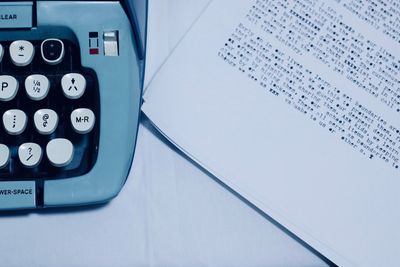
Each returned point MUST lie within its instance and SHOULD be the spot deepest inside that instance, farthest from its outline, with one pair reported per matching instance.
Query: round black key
(52, 51)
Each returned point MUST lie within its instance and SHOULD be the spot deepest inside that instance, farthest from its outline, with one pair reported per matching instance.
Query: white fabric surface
(169, 213)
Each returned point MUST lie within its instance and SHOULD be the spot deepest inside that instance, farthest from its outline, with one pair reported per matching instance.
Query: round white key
(46, 121)
(37, 86)
(82, 120)
(73, 85)
(14, 121)
(1, 52)
(4, 155)
(60, 152)
(8, 87)
(22, 53)
(30, 154)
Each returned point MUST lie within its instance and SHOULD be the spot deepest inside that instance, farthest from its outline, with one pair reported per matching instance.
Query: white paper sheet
(168, 21)
(294, 105)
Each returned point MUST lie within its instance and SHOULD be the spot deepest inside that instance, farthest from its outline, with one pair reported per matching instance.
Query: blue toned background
(169, 213)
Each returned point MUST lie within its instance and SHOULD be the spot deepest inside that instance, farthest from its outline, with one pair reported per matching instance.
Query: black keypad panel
(49, 111)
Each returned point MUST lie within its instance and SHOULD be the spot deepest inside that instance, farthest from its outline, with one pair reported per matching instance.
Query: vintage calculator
(71, 76)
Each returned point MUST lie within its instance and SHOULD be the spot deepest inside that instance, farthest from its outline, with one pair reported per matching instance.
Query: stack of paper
(295, 105)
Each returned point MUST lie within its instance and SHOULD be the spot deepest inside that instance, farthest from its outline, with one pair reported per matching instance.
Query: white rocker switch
(111, 43)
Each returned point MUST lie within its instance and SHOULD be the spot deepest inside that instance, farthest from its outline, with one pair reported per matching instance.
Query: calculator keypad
(49, 105)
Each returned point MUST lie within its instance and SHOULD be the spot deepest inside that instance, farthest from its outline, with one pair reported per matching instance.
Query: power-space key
(17, 195)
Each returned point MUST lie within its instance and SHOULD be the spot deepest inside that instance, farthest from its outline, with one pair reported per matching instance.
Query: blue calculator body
(71, 76)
